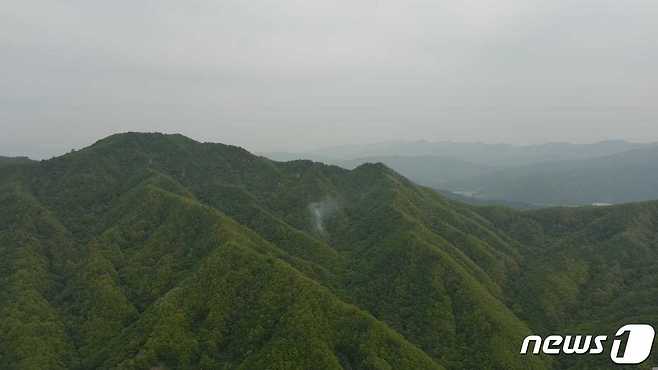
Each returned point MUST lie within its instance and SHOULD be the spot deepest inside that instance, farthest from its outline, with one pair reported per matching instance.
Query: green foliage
(590, 270)
(154, 251)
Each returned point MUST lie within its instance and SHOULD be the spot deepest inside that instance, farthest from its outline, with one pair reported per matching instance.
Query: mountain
(624, 177)
(587, 270)
(148, 251)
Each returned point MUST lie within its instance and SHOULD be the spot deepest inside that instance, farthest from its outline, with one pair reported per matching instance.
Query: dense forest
(151, 251)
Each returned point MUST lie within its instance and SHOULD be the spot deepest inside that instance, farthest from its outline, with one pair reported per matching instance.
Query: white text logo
(631, 344)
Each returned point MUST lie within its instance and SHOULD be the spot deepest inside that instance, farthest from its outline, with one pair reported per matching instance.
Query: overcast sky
(298, 74)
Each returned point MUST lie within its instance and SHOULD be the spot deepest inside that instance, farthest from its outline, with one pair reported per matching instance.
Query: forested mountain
(586, 270)
(156, 251)
(624, 177)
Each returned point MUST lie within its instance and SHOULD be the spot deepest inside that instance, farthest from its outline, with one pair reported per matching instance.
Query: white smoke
(320, 211)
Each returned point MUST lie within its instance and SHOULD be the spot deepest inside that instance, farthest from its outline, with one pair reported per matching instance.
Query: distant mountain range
(624, 177)
(151, 251)
(477, 153)
(540, 175)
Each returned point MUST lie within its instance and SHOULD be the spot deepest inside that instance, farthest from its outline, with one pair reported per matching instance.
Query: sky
(293, 75)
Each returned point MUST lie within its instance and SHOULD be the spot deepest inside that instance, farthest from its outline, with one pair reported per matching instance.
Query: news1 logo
(631, 345)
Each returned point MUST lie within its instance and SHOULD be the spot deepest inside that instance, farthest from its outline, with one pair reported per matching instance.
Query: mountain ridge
(148, 250)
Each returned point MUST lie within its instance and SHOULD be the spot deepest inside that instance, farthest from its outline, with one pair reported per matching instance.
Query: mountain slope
(172, 283)
(586, 270)
(149, 219)
(219, 297)
(148, 250)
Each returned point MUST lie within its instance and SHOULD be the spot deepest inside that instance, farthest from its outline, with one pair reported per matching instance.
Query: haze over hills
(478, 153)
(624, 177)
(539, 175)
(151, 250)
(425, 170)
(429, 170)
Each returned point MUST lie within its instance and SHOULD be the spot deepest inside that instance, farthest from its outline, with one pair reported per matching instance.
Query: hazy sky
(298, 74)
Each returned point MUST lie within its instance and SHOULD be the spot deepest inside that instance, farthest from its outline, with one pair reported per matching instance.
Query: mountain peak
(143, 137)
